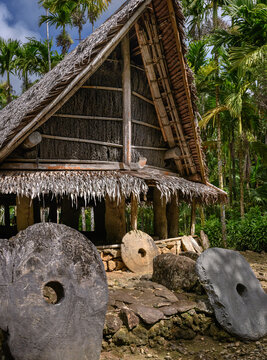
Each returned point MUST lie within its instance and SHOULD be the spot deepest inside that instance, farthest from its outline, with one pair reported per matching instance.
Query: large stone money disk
(239, 302)
(53, 294)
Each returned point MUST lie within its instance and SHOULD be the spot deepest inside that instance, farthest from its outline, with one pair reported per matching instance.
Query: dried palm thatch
(27, 107)
(97, 184)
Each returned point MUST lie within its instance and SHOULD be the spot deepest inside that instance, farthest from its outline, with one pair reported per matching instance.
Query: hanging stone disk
(138, 250)
(239, 302)
(53, 294)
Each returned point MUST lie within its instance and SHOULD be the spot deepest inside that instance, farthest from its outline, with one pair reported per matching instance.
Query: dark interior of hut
(88, 218)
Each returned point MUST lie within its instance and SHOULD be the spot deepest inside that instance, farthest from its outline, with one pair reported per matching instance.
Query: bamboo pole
(127, 108)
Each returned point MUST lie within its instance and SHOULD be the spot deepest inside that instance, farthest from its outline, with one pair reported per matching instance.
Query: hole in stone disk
(53, 292)
(142, 252)
(241, 289)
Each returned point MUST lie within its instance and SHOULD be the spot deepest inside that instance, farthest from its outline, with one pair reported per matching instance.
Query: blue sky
(19, 19)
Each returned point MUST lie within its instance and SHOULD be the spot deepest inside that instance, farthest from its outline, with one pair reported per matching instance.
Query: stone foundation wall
(112, 260)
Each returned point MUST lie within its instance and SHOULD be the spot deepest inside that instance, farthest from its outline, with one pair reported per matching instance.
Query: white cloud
(18, 30)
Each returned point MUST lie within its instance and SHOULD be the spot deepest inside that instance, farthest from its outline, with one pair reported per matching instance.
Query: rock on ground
(175, 272)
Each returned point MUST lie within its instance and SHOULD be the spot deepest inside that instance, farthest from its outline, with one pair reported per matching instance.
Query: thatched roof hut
(118, 115)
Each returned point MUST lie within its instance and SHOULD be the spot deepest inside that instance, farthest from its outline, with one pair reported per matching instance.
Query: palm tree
(60, 17)
(8, 53)
(94, 9)
(195, 13)
(79, 19)
(238, 104)
(26, 62)
(42, 3)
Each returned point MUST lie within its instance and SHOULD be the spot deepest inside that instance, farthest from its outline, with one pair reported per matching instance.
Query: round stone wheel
(138, 250)
(54, 294)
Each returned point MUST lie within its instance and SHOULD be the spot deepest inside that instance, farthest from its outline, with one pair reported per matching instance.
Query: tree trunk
(219, 140)
(193, 218)
(48, 45)
(202, 215)
(160, 219)
(134, 212)
(83, 219)
(8, 87)
(173, 217)
(241, 176)
(80, 34)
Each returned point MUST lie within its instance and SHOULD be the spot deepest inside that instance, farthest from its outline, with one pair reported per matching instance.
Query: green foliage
(249, 233)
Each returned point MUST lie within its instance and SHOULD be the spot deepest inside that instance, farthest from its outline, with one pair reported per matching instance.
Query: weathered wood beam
(117, 89)
(173, 153)
(173, 217)
(134, 212)
(127, 101)
(160, 219)
(96, 142)
(33, 140)
(24, 212)
(87, 117)
(115, 220)
(46, 164)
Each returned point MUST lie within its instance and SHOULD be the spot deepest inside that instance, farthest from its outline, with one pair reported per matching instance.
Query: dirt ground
(201, 347)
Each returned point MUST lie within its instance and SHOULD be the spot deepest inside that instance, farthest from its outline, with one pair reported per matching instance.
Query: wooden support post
(69, 214)
(193, 218)
(134, 212)
(115, 220)
(24, 212)
(99, 220)
(126, 86)
(173, 217)
(160, 219)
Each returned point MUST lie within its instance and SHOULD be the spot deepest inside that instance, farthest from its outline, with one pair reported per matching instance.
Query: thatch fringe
(97, 184)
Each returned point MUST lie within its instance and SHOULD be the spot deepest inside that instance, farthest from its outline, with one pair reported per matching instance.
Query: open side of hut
(114, 122)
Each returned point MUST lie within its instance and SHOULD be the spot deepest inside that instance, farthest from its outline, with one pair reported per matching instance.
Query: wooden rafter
(186, 85)
(158, 78)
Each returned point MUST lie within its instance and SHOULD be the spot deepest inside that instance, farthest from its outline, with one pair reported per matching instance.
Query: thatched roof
(96, 184)
(25, 114)
(41, 101)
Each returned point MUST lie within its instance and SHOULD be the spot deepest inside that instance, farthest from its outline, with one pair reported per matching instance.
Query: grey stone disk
(53, 294)
(239, 302)
(138, 250)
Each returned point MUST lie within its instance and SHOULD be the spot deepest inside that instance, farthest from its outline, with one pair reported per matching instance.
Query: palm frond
(211, 114)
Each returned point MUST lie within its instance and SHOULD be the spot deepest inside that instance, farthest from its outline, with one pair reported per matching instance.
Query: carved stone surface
(239, 302)
(53, 294)
(174, 271)
(138, 250)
